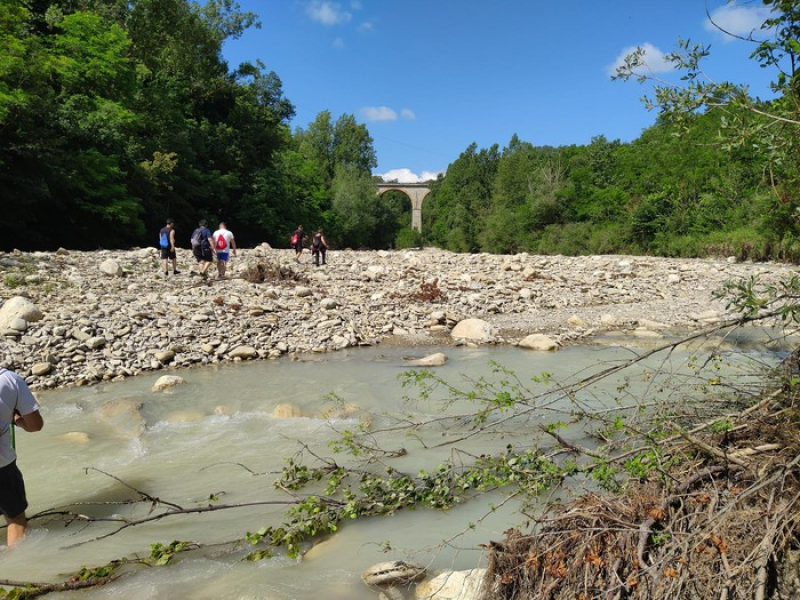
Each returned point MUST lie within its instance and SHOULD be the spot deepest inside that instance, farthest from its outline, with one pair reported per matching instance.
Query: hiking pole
(13, 436)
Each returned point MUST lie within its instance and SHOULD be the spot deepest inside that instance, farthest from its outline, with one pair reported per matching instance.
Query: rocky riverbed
(78, 318)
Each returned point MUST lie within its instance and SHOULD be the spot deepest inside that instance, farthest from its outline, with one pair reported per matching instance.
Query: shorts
(167, 253)
(12, 491)
(223, 256)
(202, 254)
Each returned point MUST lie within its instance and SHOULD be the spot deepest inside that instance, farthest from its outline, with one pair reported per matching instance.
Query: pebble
(86, 321)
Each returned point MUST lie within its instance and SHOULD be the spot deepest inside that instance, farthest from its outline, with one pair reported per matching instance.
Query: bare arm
(31, 422)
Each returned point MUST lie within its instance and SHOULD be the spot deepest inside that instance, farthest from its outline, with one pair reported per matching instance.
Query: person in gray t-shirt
(18, 408)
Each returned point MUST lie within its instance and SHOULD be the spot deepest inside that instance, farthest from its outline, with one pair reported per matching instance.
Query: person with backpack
(203, 247)
(18, 408)
(224, 244)
(166, 242)
(297, 241)
(319, 247)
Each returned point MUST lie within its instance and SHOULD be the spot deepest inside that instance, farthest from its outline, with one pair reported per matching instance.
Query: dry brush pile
(716, 518)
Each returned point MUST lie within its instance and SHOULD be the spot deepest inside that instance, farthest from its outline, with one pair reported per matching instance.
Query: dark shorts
(298, 248)
(167, 253)
(203, 254)
(12, 491)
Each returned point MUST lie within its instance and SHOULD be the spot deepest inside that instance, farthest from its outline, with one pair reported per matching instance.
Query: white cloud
(356, 5)
(408, 176)
(652, 61)
(366, 27)
(737, 20)
(407, 113)
(338, 43)
(378, 113)
(327, 13)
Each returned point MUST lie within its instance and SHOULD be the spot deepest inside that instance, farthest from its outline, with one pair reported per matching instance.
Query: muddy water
(218, 435)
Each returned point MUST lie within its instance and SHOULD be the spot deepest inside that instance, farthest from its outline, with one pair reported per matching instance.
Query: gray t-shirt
(14, 394)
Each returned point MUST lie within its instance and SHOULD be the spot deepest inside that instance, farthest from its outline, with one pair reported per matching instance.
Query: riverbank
(106, 315)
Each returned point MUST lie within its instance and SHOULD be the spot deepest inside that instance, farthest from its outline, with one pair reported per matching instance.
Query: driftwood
(721, 523)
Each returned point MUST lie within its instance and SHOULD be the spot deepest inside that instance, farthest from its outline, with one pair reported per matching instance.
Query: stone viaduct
(416, 192)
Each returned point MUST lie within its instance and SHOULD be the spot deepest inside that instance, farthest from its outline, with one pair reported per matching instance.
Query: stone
(539, 341)
(303, 292)
(184, 416)
(42, 368)
(287, 411)
(243, 352)
(165, 357)
(673, 278)
(432, 360)
(95, 342)
(123, 416)
(76, 437)
(167, 381)
(473, 329)
(18, 307)
(20, 325)
(452, 585)
(608, 320)
(576, 321)
(328, 304)
(111, 267)
(394, 572)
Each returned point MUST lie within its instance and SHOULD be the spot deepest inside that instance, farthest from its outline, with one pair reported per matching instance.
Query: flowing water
(218, 435)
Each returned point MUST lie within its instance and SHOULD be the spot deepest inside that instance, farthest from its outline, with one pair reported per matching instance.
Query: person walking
(297, 242)
(319, 247)
(18, 408)
(166, 241)
(224, 244)
(203, 247)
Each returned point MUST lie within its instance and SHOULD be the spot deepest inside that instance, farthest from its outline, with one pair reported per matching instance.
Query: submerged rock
(393, 572)
(167, 381)
(432, 360)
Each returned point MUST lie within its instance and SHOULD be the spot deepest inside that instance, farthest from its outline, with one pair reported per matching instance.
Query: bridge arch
(416, 192)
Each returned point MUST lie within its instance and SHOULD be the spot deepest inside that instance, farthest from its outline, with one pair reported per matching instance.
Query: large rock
(394, 572)
(123, 416)
(538, 341)
(111, 267)
(243, 352)
(432, 360)
(476, 330)
(18, 308)
(287, 411)
(166, 382)
(453, 585)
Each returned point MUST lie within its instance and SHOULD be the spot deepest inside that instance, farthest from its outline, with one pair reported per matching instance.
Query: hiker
(203, 247)
(18, 408)
(297, 241)
(166, 241)
(224, 244)
(319, 247)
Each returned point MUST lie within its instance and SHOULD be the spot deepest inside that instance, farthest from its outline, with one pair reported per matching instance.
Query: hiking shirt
(14, 393)
(228, 239)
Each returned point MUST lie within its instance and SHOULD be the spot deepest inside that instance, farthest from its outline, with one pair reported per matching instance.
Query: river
(218, 436)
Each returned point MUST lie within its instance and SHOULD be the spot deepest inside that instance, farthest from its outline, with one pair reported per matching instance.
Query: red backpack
(222, 243)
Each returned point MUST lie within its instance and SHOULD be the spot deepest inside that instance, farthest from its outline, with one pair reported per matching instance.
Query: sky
(430, 77)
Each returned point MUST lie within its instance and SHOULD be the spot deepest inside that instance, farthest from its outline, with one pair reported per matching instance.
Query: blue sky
(430, 77)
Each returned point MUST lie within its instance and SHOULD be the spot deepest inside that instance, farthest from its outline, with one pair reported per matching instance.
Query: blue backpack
(163, 241)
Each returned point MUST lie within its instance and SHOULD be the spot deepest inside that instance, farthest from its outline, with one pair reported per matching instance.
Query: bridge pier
(416, 192)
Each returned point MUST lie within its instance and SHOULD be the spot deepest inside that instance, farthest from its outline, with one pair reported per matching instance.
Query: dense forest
(117, 114)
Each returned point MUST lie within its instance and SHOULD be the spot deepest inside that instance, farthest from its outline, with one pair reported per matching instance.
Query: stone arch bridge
(416, 192)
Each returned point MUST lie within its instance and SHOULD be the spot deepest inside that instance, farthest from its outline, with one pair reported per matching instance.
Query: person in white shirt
(18, 408)
(224, 244)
